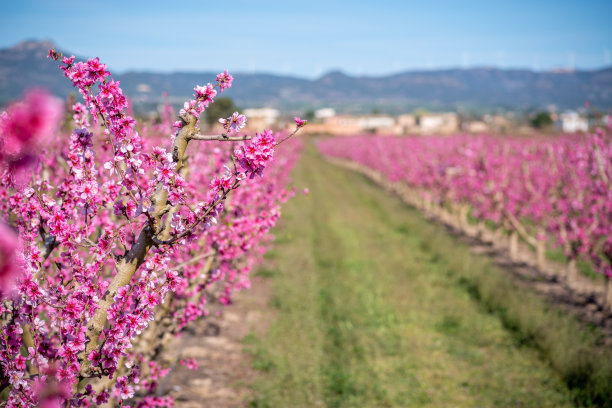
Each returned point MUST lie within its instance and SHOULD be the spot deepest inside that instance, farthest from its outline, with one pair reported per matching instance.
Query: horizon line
(333, 70)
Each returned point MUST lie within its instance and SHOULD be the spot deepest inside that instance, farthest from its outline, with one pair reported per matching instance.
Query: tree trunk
(513, 243)
(608, 298)
(464, 223)
(498, 237)
(572, 273)
(481, 232)
(541, 254)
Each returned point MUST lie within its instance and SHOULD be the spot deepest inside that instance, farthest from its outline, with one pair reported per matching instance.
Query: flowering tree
(111, 243)
(543, 189)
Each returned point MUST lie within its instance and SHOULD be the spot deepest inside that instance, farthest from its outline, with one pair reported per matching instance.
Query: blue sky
(309, 38)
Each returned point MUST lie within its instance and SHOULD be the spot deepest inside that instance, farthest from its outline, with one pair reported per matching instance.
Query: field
(378, 307)
(124, 241)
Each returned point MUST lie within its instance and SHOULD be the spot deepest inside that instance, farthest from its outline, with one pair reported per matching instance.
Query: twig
(222, 137)
(290, 135)
(518, 227)
(190, 229)
(195, 259)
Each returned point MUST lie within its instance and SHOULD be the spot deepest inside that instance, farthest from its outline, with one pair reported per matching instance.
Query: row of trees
(548, 191)
(116, 235)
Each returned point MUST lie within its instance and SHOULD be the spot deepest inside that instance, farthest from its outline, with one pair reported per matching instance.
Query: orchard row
(550, 190)
(116, 235)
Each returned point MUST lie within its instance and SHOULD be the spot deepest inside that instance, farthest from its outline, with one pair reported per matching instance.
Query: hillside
(25, 65)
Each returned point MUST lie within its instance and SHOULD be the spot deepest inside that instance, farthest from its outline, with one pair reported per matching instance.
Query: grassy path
(371, 312)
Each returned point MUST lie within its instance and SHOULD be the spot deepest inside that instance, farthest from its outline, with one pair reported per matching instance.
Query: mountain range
(25, 65)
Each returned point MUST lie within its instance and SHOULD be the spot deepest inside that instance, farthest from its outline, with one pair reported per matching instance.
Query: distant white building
(261, 118)
(405, 124)
(324, 113)
(572, 122)
(268, 116)
(352, 125)
(144, 88)
(446, 122)
(374, 122)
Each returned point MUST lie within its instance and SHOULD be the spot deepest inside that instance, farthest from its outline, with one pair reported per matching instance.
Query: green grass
(265, 272)
(379, 308)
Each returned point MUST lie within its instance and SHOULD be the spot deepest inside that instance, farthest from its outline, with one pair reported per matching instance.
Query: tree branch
(190, 229)
(222, 137)
(129, 263)
(518, 227)
(195, 259)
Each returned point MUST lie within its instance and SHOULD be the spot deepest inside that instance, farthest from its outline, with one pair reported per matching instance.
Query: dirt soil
(224, 370)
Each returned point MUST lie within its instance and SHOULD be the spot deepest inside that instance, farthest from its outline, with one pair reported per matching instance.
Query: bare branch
(195, 259)
(222, 137)
(190, 229)
(600, 167)
(520, 229)
(290, 136)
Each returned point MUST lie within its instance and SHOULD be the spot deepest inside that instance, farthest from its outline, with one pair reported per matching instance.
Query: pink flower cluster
(224, 80)
(255, 155)
(234, 123)
(25, 127)
(300, 122)
(204, 96)
(190, 364)
(9, 267)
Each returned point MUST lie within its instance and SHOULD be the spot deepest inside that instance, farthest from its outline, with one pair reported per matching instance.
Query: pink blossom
(255, 155)
(190, 363)
(25, 125)
(205, 94)
(234, 123)
(299, 122)
(224, 80)
(97, 70)
(9, 269)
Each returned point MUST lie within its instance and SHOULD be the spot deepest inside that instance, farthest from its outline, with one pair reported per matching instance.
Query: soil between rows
(224, 369)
